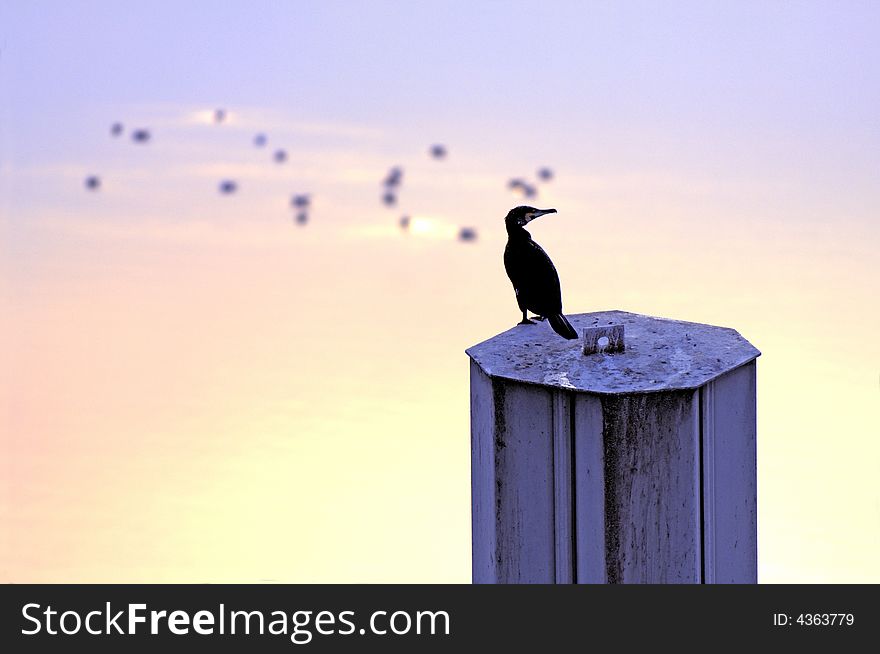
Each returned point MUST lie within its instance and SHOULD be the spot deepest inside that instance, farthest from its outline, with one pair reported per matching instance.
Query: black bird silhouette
(532, 273)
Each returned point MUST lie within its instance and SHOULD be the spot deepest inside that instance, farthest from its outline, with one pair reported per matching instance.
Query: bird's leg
(525, 320)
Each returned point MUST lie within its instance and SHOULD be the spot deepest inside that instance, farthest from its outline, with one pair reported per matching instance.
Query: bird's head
(520, 216)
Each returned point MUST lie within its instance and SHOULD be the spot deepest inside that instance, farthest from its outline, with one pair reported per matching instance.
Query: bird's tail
(561, 326)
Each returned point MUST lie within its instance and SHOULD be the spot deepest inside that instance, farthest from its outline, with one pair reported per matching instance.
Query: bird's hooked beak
(537, 213)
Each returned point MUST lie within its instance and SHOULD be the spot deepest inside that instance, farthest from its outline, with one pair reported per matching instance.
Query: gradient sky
(196, 389)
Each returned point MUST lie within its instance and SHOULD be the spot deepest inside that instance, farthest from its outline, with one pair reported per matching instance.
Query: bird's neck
(516, 232)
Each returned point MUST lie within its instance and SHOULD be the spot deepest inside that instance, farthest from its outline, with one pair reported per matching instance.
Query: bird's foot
(539, 318)
(526, 321)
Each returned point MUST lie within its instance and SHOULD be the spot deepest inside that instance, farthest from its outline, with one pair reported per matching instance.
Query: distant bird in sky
(532, 273)
(394, 177)
(522, 186)
(467, 234)
(522, 254)
(301, 201)
(545, 174)
(227, 187)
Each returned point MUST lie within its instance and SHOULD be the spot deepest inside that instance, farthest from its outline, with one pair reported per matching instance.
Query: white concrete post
(615, 467)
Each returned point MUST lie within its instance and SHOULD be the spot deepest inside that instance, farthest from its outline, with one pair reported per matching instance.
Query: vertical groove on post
(562, 485)
(484, 566)
(589, 489)
(612, 517)
(730, 477)
(573, 536)
(523, 513)
(707, 430)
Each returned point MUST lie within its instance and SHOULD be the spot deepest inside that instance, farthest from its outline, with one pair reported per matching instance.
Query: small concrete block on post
(632, 466)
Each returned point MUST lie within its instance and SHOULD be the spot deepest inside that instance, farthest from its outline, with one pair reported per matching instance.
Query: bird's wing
(534, 277)
(546, 282)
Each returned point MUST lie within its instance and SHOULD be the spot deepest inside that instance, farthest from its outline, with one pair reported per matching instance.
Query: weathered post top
(660, 355)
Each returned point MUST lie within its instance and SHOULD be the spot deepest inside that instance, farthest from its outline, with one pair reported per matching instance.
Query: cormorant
(532, 274)
(228, 186)
(280, 156)
(260, 140)
(140, 135)
(93, 182)
(116, 129)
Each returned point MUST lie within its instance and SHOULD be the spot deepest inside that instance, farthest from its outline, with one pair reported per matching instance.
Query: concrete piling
(632, 464)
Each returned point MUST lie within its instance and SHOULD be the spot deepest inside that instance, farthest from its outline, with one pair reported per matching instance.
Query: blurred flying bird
(467, 234)
(302, 218)
(301, 201)
(519, 185)
(140, 135)
(545, 174)
(438, 151)
(394, 177)
(93, 182)
(532, 273)
(116, 129)
(219, 115)
(260, 140)
(389, 199)
(404, 223)
(228, 187)
(280, 156)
